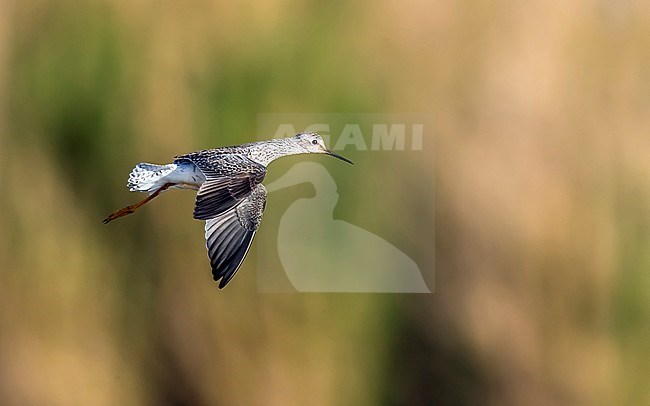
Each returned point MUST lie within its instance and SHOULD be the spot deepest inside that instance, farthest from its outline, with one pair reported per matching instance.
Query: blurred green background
(542, 173)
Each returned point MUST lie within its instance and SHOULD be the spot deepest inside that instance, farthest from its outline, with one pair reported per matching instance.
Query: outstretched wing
(229, 236)
(229, 179)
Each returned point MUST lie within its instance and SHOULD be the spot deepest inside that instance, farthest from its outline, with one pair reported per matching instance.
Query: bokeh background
(542, 197)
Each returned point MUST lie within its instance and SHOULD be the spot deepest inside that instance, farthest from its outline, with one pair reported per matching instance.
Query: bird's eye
(314, 142)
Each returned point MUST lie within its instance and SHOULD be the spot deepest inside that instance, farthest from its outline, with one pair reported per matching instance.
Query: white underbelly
(185, 176)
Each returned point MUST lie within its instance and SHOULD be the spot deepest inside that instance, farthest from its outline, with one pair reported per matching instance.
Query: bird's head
(313, 143)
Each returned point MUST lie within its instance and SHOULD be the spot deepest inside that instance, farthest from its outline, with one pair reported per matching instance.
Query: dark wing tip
(226, 266)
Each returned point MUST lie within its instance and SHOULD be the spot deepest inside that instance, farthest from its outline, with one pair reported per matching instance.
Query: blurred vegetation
(542, 250)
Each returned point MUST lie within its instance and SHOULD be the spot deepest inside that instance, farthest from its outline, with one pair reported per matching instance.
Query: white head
(313, 143)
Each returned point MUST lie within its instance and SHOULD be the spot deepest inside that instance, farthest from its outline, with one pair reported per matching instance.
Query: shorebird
(230, 198)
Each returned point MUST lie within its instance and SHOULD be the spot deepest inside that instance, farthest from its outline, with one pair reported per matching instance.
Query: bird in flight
(230, 198)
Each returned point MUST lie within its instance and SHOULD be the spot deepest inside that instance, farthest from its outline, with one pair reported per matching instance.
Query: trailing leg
(132, 208)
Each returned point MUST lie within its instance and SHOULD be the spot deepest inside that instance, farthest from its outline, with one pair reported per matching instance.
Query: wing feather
(230, 235)
(230, 178)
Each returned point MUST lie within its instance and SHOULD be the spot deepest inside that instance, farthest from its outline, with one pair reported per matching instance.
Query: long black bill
(342, 158)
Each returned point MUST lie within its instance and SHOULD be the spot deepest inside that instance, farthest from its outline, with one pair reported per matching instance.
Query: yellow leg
(132, 208)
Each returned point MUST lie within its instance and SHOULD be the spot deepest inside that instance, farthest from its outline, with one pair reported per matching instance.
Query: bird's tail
(148, 177)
